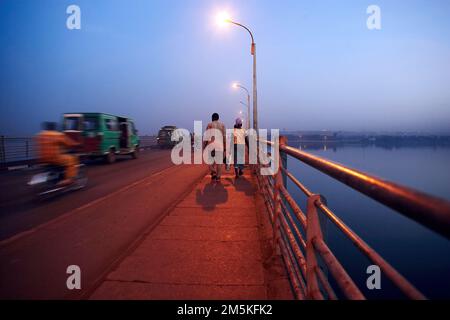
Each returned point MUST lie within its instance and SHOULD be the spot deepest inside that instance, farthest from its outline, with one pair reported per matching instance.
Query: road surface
(18, 211)
(92, 228)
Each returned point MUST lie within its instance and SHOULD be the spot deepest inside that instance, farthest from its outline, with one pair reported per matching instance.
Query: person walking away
(218, 146)
(51, 150)
(239, 142)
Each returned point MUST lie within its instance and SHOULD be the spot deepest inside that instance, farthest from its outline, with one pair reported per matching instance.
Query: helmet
(51, 126)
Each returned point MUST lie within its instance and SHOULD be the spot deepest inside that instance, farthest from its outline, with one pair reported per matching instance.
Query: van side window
(90, 124)
(111, 124)
(72, 123)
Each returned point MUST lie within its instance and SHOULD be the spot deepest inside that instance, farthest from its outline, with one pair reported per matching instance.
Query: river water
(419, 254)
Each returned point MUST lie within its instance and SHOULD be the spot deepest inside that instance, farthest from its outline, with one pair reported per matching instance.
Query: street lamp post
(253, 53)
(237, 85)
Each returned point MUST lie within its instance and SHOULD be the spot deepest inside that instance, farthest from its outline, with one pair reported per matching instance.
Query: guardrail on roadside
(298, 235)
(16, 151)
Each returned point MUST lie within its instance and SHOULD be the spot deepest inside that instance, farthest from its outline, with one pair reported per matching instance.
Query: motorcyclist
(51, 150)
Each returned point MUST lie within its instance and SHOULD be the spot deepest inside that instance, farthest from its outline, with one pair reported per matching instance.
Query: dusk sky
(167, 62)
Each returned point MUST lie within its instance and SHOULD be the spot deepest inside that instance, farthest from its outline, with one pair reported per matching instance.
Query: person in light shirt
(239, 142)
(214, 130)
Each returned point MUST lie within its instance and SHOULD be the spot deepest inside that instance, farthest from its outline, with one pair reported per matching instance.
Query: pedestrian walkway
(210, 246)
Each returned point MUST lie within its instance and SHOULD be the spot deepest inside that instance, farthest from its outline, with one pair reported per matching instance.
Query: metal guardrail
(147, 141)
(22, 150)
(16, 149)
(299, 236)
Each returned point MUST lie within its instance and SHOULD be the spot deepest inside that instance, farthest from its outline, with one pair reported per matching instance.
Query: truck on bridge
(164, 138)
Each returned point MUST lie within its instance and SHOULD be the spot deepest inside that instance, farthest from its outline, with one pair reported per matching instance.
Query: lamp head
(223, 18)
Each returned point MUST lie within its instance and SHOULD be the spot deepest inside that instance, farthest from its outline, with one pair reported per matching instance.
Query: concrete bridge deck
(214, 244)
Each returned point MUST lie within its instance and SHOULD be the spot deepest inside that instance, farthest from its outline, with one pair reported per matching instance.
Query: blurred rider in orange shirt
(52, 146)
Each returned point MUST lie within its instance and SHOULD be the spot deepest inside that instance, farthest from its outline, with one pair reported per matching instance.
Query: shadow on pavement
(213, 194)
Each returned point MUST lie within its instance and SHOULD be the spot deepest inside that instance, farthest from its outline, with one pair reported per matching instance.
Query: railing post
(283, 159)
(2, 149)
(313, 231)
(277, 196)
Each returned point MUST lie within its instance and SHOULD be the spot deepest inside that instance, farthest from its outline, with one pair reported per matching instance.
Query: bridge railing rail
(299, 235)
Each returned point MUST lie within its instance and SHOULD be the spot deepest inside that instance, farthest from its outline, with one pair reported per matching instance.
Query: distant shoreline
(389, 141)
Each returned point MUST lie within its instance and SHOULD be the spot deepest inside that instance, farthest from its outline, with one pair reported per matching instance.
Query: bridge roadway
(19, 213)
(143, 229)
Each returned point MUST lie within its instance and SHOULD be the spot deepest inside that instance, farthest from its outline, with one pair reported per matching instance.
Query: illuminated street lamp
(223, 18)
(236, 86)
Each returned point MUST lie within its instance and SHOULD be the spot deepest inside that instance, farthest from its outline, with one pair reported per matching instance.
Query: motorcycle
(45, 183)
